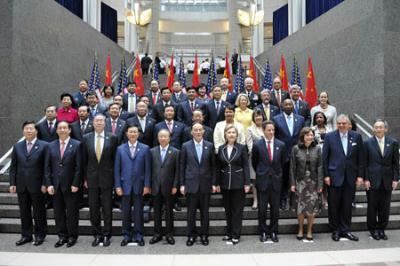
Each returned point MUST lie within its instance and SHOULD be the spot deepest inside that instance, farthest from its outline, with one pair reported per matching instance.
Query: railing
(260, 71)
(363, 125)
(5, 160)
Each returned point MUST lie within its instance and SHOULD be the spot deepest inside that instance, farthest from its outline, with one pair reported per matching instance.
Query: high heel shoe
(300, 237)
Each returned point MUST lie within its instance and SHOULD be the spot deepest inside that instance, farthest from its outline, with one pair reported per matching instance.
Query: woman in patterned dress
(306, 179)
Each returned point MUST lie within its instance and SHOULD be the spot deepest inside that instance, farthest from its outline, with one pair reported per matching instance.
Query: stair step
(250, 227)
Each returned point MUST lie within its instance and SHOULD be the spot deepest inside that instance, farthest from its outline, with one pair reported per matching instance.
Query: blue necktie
(163, 151)
(290, 124)
(199, 151)
(344, 143)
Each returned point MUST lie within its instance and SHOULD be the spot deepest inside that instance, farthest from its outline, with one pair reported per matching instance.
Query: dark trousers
(159, 201)
(26, 201)
(265, 197)
(66, 212)
(378, 208)
(285, 182)
(233, 203)
(340, 207)
(137, 202)
(195, 200)
(101, 197)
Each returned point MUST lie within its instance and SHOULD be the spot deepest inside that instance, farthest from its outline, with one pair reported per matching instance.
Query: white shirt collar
(166, 147)
(66, 141)
(266, 140)
(134, 144)
(196, 143)
(33, 141)
(382, 139)
(100, 134)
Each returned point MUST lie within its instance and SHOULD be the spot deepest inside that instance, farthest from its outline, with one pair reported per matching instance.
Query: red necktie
(192, 106)
(269, 150)
(154, 98)
(113, 126)
(62, 149)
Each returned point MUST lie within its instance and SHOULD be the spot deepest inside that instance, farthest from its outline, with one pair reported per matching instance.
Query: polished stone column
(131, 42)
(297, 15)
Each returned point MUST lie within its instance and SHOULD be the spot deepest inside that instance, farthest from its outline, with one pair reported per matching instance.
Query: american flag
(239, 79)
(123, 79)
(155, 72)
(295, 79)
(94, 82)
(212, 75)
(182, 76)
(267, 83)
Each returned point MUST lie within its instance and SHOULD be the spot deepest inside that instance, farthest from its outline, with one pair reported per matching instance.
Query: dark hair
(29, 122)
(65, 94)
(85, 105)
(64, 121)
(315, 118)
(85, 80)
(215, 86)
(92, 93)
(304, 131)
(257, 112)
(112, 105)
(130, 126)
(131, 83)
(144, 96)
(164, 88)
(168, 106)
(266, 123)
(230, 107)
(50, 105)
(191, 88)
(108, 86)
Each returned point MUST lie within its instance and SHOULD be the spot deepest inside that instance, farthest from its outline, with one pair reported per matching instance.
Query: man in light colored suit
(164, 180)
(132, 176)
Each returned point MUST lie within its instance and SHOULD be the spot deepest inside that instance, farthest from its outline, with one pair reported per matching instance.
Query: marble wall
(355, 51)
(45, 50)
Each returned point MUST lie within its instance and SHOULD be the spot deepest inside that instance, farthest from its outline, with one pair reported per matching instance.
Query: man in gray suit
(98, 163)
(164, 180)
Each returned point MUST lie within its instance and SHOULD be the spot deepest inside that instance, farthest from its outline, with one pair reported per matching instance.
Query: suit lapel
(350, 142)
(34, 149)
(376, 146)
(194, 152)
(386, 148)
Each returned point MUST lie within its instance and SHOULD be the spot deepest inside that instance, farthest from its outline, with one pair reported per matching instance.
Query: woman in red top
(66, 112)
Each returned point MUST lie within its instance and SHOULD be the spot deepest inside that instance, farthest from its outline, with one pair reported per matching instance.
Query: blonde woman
(243, 114)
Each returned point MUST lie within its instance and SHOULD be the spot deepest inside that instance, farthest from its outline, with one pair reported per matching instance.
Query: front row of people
(134, 170)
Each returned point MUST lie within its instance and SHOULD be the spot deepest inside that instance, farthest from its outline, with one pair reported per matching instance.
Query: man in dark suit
(158, 109)
(154, 94)
(28, 163)
(277, 94)
(343, 162)
(198, 117)
(98, 163)
(186, 108)
(215, 108)
(381, 177)
(227, 95)
(174, 127)
(79, 97)
(178, 96)
(47, 128)
(132, 179)
(83, 125)
(93, 102)
(131, 98)
(249, 91)
(145, 124)
(123, 115)
(300, 107)
(268, 158)
(234, 61)
(198, 180)
(114, 124)
(63, 179)
(145, 63)
(268, 110)
(287, 129)
(164, 181)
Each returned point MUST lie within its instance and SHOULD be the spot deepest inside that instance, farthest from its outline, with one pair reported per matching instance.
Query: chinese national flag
(311, 90)
(253, 74)
(108, 79)
(283, 75)
(171, 74)
(227, 71)
(138, 77)
(195, 78)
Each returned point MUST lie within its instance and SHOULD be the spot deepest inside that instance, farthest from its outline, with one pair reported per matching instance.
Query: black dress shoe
(23, 241)
(140, 242)
(71, 242)
(177, 207)
(155, 239)
(382, 235)
(60, 243)
(350, 236)
(190, 241)
(170, 240)
(263, 237)
(335, 237)
(235, 241)
(204, 240)
(107, 241)
(375, 235)
(125, 242)
(97, 240)
(300, 237)
(227, 238)
(274, 237)
(38, 241)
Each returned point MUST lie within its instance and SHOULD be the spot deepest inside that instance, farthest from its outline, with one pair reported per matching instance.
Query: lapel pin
(138, 149)
(36, 147)
(205, 147)
(277, 148)
(169, 152)
(387, 145)
(70, 145)
(106, 137)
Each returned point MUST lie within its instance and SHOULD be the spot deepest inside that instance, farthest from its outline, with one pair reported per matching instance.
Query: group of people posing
(173, 143)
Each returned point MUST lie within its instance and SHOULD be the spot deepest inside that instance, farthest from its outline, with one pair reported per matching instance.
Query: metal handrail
(7, 155)
(362, 120)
